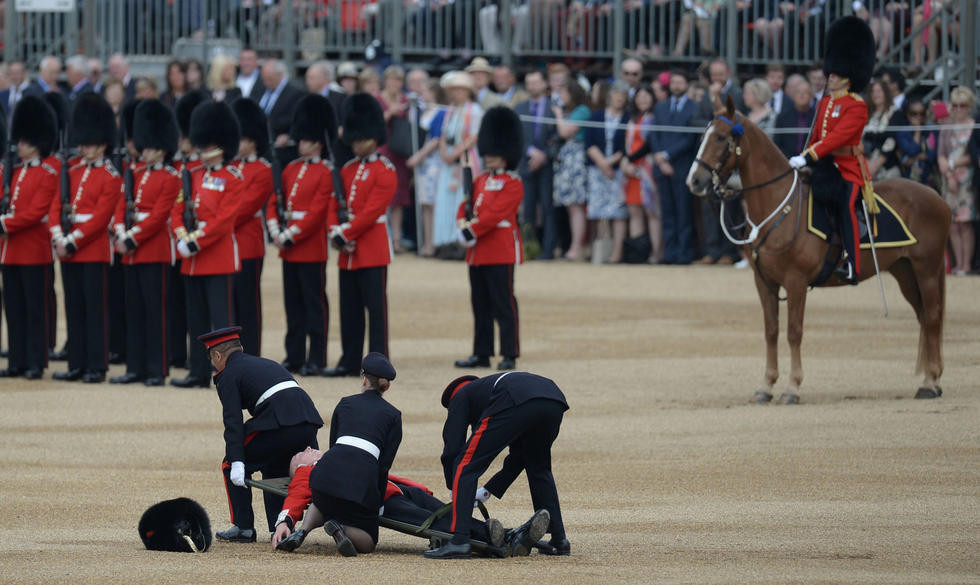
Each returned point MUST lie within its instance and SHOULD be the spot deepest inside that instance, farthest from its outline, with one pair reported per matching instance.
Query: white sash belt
(142, 215)
(81, 217)
(360, 443)
(273, 389)
(382, 219)
(296, 215)
(504, 224)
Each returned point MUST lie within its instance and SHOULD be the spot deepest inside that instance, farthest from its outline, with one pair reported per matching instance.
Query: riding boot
(846, 220)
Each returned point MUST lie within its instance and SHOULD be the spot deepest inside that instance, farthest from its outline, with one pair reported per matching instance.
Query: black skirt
(347, 513)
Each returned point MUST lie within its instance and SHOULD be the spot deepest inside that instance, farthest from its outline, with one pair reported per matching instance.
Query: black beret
(377, 364)
(219, 336)
(450, 390)
(179, 525)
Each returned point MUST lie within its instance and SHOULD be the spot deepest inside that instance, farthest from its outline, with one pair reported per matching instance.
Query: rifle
(8, 179)
(190, 216)
(339, 192)
(66, 222)
(278, 193)
(123, 163)
(467, 187)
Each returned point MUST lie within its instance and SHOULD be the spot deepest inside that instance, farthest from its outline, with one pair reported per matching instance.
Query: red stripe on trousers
(467, 457)
(513, 309)
(231, 511)
(857, 234)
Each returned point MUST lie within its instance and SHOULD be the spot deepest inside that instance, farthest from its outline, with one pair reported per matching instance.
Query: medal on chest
(213, 183)
(836, 112)
(493, 184)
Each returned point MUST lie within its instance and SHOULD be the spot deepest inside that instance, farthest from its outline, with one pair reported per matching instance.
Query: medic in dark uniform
(301, 236)
(85, 250)
(209, 250)
(249, 228)
(514, 409)
(494, 240)
(147, 247)
(840, 173)
(363, 240)
(284, 421)
(25, 243)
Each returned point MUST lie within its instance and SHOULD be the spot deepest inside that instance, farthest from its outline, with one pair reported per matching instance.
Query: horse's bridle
(734, 146)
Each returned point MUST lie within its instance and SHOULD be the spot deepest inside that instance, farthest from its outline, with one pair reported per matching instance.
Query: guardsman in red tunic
(488, 227)
(206, 232)
(363, 239)
(80, 238)
(25, 244)
(840, 171)
(144, 239)
(249, 225)
(301, 236)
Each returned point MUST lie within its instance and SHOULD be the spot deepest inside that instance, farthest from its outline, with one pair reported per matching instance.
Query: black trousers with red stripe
(267, 452)
(177, 315)
(529, 429)
(364, 288)
(492, 298)
(848, 226)
(116, 293)
(304, 288)
(26, 303)
(209, 307)
(415, 505)
(51, 307)
(248, 305)
(86, 314)
(146, 287)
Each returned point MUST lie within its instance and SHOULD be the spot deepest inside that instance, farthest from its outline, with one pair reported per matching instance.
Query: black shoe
(521, 539)
(34, 373)
(116, 358)
(507, 364)
(845, 273)
(495, 532)
(310, 370)
(69, 376)
(93, 377)
(58, 356)
(338, 372)
(293, 541)
(236, 534)
(153, 382)
(291, 367)
(127, 378)
(344, 544)
(11, 373)
(474, 361)
(449, 551)
(556, 548)
(191, 382)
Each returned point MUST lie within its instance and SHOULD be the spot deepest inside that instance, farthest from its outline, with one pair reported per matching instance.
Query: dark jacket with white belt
(365, 432)
(267, 391)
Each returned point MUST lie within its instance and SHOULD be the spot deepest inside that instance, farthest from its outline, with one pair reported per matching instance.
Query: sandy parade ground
(666, 473)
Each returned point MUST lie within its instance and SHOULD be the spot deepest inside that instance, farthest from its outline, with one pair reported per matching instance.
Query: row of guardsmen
(184, 212)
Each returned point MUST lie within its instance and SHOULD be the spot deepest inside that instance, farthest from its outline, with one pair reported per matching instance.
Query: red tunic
(370, 185)
(96, 189)
(217, 193)
(837, 129)
(310, 206)
(496, 201)
(249, 231)
(25, 225)
(155, 192)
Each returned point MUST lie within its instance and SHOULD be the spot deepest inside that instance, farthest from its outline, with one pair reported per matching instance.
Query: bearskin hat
(126, 118)
(314, 117)
(154, 126)
(363, 119)
(185, 107)
(92, 121)
(501, 135)
(253, 122)
(34, 122)
(62, 113)
(179, 525)
(215, 123)
(850, 51)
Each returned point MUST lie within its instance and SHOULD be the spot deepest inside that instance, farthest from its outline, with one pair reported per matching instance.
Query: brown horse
(784, 254)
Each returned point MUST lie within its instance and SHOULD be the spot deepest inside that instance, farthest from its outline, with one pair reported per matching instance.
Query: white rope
(754, 232)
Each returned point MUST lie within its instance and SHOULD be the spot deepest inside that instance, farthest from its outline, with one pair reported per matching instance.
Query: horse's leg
(795, 307)
(770, 313)
(932, 287)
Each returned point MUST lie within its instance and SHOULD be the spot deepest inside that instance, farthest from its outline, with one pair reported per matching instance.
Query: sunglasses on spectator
(961, 106)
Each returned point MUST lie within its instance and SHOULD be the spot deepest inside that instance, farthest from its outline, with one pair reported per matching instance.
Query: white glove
(482, 495)
(462, 239)
(238, 473)
(184, 250)
(797, 162)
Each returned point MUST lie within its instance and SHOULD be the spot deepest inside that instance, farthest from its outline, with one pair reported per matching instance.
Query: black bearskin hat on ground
(363, 119)
(253, 122)
(501, 135)
(850, 51)
(34, 122)
(62, 113)
(126, 118)
(214, 123)
(92, 121)
(154, 126)
(185, 107)
(179, 525)
(314, 117)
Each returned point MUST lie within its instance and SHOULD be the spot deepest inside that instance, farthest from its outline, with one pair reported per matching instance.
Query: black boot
(474, 361)
(236, 534)
(449, 551)
(522, 539)
(344, 544)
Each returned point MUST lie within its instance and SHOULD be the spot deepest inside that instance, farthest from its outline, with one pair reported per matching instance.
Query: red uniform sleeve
(177, 213)
(853, 119)
(224, 222)
(105, 206)
(498, 206)
(405, 481)
(119, 213)
(255, 195)
(299, 497)
(30, 211)
(157, 220)
(382, 192)
(315, 219)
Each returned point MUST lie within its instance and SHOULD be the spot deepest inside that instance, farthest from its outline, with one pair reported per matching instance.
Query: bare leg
(619, 235)
(636, 220)
(428, 248)
(770, 315)
(576, 220)
(957, 245)
(704, 34)
(395, 215)
(656, 237)
(683, 34)
(966, 232)
(917, 40)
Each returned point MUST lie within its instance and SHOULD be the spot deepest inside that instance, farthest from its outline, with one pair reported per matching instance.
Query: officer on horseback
(840, 171)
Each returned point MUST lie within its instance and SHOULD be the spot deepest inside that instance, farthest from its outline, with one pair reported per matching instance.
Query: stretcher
(280, 487)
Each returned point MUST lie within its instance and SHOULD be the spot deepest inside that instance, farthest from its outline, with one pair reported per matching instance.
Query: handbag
(400, 137)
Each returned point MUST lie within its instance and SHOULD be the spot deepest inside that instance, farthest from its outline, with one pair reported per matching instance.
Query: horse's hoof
(760, 397)
(929, 393)
(788, 398)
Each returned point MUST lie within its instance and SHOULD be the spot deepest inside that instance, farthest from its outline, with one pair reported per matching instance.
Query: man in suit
(248, 75)
(119, 68)
(722, 84)
(536, 172)
(799, 115)
(18, 87)
(77, 71)
(673, 155)
(776, 78)
(480, 70)
(506, 85)
(48, 72)
(279, 102)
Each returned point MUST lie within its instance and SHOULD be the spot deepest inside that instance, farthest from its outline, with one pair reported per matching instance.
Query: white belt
(297, 215)
(273, 389)
(81, 217)
(201, 225)
(142, 215)
(505, 223)
(258, 213)
(382, 219)
(360, 443)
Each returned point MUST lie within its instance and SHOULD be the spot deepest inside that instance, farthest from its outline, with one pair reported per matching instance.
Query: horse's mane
(773, 152)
